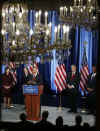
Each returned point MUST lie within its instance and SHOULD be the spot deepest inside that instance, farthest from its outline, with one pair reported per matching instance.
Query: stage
(13, 113)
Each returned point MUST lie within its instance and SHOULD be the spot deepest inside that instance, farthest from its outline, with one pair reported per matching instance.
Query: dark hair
(59, 121)
(78, 119)
(23, 116)
(73, 65)
(93, 65)
(45, 115)
(86, 125)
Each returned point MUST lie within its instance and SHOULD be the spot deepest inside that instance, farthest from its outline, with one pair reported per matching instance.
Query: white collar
(73, 72)
(94, 74)
(35, 74)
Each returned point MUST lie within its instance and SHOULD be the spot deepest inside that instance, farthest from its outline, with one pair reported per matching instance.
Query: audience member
(86, 125)
(44, 123)
(78, 121)
(24, 124)
(59, 122)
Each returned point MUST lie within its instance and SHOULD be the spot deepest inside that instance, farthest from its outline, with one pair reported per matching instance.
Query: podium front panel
(30, 89)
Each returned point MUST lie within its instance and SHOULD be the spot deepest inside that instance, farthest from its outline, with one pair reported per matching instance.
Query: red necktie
(73, 75)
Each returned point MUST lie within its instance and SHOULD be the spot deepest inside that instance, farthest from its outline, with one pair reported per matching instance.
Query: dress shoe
(70, 111)
(74, 111)
(11, 106)
(8, 107)
(90, 113)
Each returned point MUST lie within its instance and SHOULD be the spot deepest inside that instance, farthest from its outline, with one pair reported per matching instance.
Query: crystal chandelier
(84, 15)
(21, 41)
(41, 37)
(62, 43)
(40, 34)
(15, 28)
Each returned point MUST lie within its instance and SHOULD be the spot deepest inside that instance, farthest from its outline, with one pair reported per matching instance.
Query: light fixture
(21, 41)
(15, 27)
(80, 13)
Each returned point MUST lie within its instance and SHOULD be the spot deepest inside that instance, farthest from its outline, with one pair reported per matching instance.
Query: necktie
(73, 74)
(92, 76)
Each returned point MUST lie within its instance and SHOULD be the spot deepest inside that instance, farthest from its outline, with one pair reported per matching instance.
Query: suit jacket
(38, 79)
(27, 78)
(35, 80)
(75, 80)
(91, 81)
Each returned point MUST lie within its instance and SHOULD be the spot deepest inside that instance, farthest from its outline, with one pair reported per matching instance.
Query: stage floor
(69, 118)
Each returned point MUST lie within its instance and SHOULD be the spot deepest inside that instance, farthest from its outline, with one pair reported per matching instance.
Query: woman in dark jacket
(7, 83)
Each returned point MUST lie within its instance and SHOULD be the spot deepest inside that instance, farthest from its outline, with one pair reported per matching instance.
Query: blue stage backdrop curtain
(18, 97)
(91, 37)
(54, 61)
(95, 47)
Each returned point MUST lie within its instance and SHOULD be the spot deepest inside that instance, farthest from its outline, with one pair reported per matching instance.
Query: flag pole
(60, 103)
(84, 63)
(83, 110)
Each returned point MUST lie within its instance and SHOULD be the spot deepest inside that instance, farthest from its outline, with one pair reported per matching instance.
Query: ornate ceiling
(43, 4)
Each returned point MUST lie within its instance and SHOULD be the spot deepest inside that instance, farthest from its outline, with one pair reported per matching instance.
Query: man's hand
(6, 87)
(90, 90)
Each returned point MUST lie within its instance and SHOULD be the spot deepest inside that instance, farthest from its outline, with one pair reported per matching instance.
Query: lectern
(32, 95)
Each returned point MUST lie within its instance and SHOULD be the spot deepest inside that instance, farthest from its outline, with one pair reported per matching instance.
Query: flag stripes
(12, 67)
(84, 76)
(84, 71)
(60, 77)
(31, 68)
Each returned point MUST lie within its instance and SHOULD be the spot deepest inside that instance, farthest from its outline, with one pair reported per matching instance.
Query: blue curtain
(91, 37)
(54, 61)
(95, 41)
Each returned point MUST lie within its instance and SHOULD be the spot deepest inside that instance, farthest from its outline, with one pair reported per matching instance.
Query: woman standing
(7, 83)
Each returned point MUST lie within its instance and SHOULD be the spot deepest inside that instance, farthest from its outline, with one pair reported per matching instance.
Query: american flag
(13, 71)
(60, 76)
(30, 67)
(84, 71)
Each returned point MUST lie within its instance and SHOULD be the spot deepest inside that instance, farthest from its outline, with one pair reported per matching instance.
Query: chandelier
(84, 15)
(15, 28)
(20, 41)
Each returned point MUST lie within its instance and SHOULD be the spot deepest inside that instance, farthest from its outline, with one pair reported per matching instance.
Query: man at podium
(33, 79)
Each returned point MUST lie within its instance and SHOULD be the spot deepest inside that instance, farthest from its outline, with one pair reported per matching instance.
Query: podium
(32, 95)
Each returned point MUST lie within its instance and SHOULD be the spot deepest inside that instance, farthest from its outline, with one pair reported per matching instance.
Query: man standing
(91, 88)
(73, 79)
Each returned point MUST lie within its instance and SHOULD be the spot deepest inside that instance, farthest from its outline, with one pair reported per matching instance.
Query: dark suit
(39, 79)
(91, 82)
(73, 92)
(35, 79)
(27, 78)
(91, 97)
